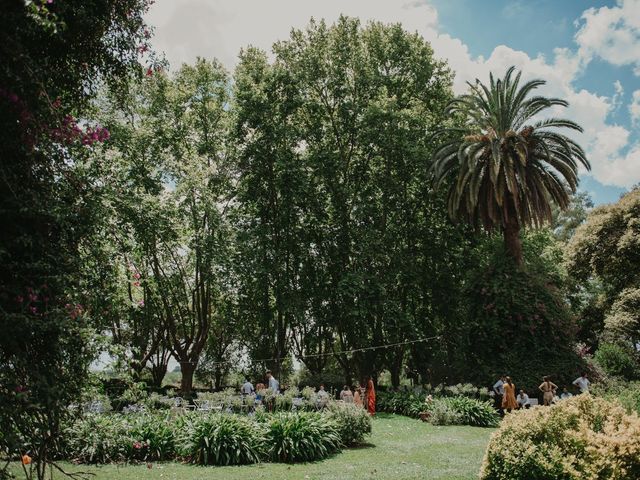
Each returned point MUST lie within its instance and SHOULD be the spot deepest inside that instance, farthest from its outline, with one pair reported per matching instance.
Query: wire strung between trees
(341, 352)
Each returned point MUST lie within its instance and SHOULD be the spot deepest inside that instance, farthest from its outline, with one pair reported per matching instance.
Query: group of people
(361, 396)
(506, 399)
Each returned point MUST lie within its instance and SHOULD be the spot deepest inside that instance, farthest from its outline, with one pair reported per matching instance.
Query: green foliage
(579, 438)
(617, 360)
(605, 249)
(500, 148)
(99, 439)
(519, 322)
(219, 439)
(625, 393)
(443, 410)
(154, 437)
(462, 411)
(300, 437)
(402, 403)
(353, 422)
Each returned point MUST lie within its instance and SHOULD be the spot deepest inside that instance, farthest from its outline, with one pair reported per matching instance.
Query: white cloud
(217, 28)
(611, 33)
(634, 108)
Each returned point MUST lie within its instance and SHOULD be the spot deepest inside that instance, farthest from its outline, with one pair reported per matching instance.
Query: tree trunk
(186, 382)
(512, 242)
(158, 373)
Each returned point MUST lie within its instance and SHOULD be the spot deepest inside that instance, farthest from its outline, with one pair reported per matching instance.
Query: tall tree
(506, 169)
(170, 191)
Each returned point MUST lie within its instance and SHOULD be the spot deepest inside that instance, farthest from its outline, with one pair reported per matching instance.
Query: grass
(400, 448)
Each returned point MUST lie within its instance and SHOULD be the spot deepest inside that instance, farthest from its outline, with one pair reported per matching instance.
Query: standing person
(547, 387)
(523, 400)
(247, 387)
(345, 395)
(273, 383)
(498, 390)
(582, 382)
(357, 397)
(371, 397)
(509, 398)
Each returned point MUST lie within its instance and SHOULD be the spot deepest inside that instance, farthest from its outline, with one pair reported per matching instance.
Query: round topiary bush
(582, 438)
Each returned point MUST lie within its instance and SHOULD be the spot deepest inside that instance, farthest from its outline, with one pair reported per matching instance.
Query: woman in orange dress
(371, 397)
(509, 398)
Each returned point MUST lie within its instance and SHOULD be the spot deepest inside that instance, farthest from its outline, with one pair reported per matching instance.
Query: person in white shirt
(582, 382)
(273, 383)
(565, 394)
(523, 400)
(322, 397)
(247, 387)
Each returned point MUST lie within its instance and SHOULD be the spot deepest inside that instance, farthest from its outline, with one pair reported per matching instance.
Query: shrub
(300, 437)
(462, 411)
(616, 360)
(353, 422)
(97, 438)
(153, 437)
(402, 403)
(219, 439)
(626, 393)
(580, 438)
(443, 413)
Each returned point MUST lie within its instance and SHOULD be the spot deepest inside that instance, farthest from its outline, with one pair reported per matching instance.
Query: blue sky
(538, 28)
(588, 51)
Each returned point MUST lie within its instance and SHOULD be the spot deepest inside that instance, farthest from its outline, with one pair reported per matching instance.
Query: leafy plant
(616, 360)
(220, 439)
(353, 422)
(301, 437)
(462, 410)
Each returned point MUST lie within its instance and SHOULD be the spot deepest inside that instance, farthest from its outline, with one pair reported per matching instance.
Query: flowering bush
(580, 438)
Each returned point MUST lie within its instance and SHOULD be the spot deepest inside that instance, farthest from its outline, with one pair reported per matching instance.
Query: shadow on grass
(361, 446)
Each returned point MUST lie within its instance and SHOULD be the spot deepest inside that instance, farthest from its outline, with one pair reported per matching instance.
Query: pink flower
(136, 284)
(141, 303)
(33, 297)
(137, 445)
(19, 299)
(33, 310)
(149, 72)
(136, 275)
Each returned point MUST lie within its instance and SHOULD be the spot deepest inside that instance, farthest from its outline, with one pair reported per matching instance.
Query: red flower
(149, 72)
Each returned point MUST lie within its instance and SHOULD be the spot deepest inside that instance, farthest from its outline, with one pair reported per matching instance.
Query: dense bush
(462, 411)
(580, 438)
(625, 393)
(353, 422)
(616, 360)
(153, 437)
(99, 438)
(403, 403)
(300, 437)
(219, 439)
(443, 410)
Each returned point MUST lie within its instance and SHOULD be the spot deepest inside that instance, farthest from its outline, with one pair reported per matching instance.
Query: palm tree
(505, 169)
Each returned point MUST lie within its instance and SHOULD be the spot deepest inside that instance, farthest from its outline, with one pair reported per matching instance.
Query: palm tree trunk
(512, 242)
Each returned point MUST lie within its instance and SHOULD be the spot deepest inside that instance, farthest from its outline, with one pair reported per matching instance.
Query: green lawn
(400, 448)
